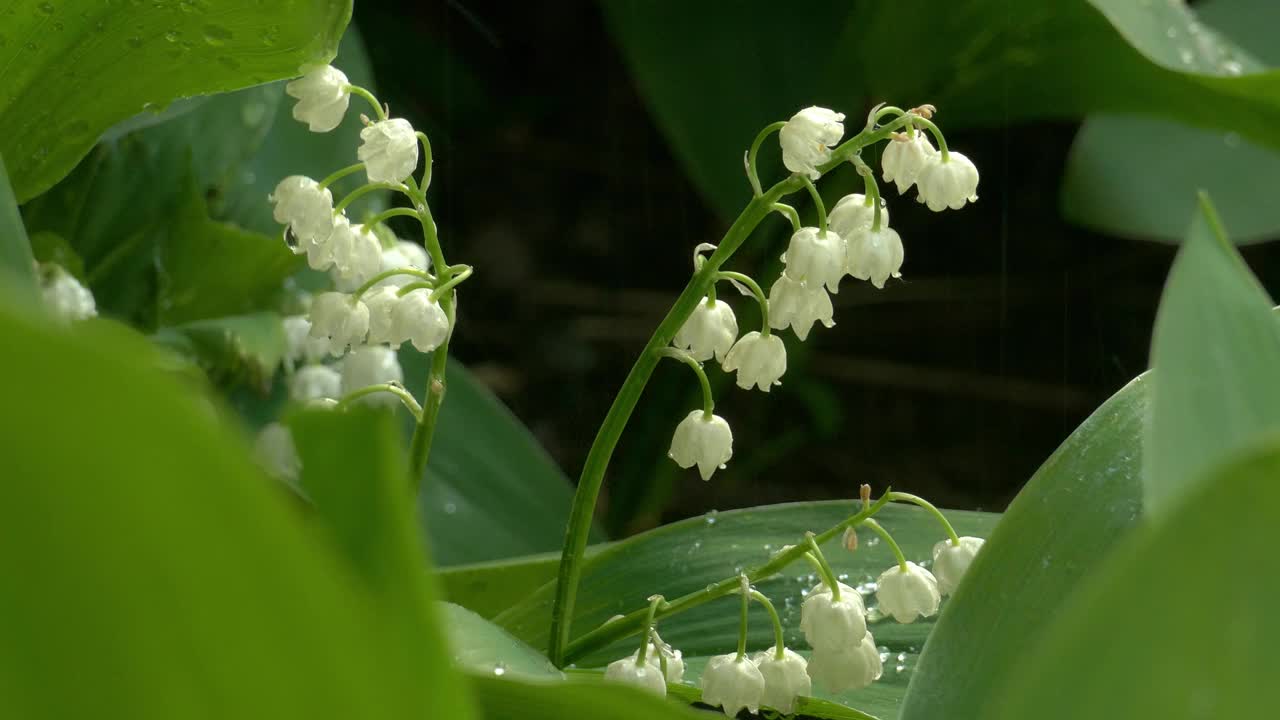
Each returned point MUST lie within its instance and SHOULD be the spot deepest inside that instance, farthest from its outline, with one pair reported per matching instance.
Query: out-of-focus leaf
(238, 346)
(480, 646)
(1134, 642)
(488, 588)
(71, 70)
(1216, 359)
(50, 247)
(503, 698)
(15, 251)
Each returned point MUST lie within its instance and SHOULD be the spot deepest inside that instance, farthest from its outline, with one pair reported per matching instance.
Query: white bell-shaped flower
(848, 667)
(733, 683)
(381, 302)
(830, 623)
(709, 332)
(816, 258)
(418, 319)
(274, 450)
(948, 182)
(389, 150)
(951, 562)
(642, 675)
(785, 678)
(336, 318)
(314, 382)
(64, 296)
(323, 95)
(760, 360)
(905, 158)
(852, 217)
(806, 139)
(372, 365)
(300, 347)
(305, 207)
(908, 594)
(403, 254)
(799, 305)
(703, 441)
(876, 256)
(662, 654)
(356, 253)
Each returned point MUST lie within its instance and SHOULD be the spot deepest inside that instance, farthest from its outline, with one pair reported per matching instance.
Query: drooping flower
(703, 441)
(305, 207)
(760, 360)
(816, 258)
(314, 382)
(951, 562)
(641, 675)
(64, 296)
(807, 137)
(799, 305)
(338, 319)
(852, 217)
(418, 319)
(275, 452)
(847, 667)
(948, 182)
(404, 254)
(323, 95)
(355, 251)
(661, 654)
(372, 365)
(733, 683)
(785, 678)
(828, 623)
(389, 150)
(709, 332)
(381, 302)
(876, 256)
(909, 593)
(905, 158)
(299, 346)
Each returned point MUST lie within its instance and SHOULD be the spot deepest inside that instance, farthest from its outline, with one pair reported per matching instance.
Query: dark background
(551, 178)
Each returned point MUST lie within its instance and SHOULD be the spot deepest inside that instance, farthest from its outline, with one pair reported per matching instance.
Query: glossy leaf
(73, 70)
(1172, 663)
(1063, 524)
(1216, 358)
(501, 698)
(688, 555)
(158, 567)
(488, 588)
(15, 250)
(482, 647)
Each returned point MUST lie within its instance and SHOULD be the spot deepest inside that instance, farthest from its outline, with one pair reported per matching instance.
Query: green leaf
(1138, 640)
(248, 347)
(1138, 176)
(15, 251)
(70, 72)
(488, 588)
(502, 698)
(159, 568)
(480, 646)
(688, 555)
(1063, 524)
(1216, 355)
(50, 247)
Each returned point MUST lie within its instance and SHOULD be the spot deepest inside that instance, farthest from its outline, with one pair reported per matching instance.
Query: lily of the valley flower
(314, 382)
(305, 207)
(64, 296)
(848, 667)
(336, 318)
(908, 593)
(661, 654)
(852, 217)
(389, 150)
(905, 158)
(816, 258)
(709, 332)
(876, 255)
(799, 305)
(323, 95)
(299, 346)
(418, 319)
(807, 137)
(641, 675)
(275, 452)
(951, 562)
(703, 441)
(733, 683)
(760, 360)
(381, 302)
(948, 182)
(828, 623)
(785, 678)
(372, 365)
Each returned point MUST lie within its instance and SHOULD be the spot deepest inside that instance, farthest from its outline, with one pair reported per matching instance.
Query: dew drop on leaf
(216, 35)
(47, 8)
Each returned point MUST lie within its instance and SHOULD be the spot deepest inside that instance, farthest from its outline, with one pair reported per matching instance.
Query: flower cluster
(854, 240)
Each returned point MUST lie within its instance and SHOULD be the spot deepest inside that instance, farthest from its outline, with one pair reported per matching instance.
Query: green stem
(779, 639)
(410, 402)
(872, 191)
(818, 204)
(937, 134)
(755, 149)
(828, 575)
(377, 106)
(887, 110)
(426, 157)
(708, 402)
(791, 214)
(754, 287)
(450, 284)
(615, 421)
(411, 271)
(365, 190)
(633, 622)
(893, 545)
(745, 590)
(335, 177)
(647, 636)
(424, 285)
(388, 214)
(933, 510)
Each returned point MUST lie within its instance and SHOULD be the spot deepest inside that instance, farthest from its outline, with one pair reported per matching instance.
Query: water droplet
(135, 42)
(1187, 56)
(899, 668)
(500, 669)
(172, 36)
(1231, 67)
(874, 541)
(710, 517)
(450, 508)
(216, 35)
(1171, 33)
(270, 35)
(58, 26)
(32, 46)
(47, 8)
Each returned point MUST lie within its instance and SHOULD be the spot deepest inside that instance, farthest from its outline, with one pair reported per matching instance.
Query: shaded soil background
(552, 179)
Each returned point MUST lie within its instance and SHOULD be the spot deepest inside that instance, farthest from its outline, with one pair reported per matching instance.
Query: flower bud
(908, 594)
(849, 667)
(419, 319)
(785, 678)
(641, 675)
(799, 304)
(389, 150)
(760, 360)
(876, 256)
(703, 441)
(905, 158)
(829, 623)
(64, 296)
(372, 365)
(948, 182)
(336, 318)
(314, 382)
(709, 331)
(323, 95)
(951, 562)
(806, 139)
(733, 683)
(816, 258)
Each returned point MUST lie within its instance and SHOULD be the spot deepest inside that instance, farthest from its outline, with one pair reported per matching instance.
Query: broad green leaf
(688, 555)
(491, 491)
(71, 70)
(1216, 359)
(15, 250)
(1138, 641)
(50, 247)
(488, 588)
(1063, 524)
(502, 698)
(239, 347)
(158, 567)
(1138, 176)
(480, 646)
